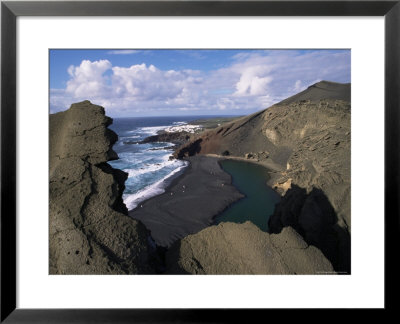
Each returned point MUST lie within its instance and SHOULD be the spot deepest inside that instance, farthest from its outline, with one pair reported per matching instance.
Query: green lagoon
(259, 201)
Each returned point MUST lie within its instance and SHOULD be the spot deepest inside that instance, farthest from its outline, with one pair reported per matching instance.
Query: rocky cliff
(90, 232)
(307, 138)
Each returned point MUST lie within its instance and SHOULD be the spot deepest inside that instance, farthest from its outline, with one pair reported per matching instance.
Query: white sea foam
(130, 136)
(148, 166)
(133, 200)
(165, 147)
(151, 130)
(153, 167)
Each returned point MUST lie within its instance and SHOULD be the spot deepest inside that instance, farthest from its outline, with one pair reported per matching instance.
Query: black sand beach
(189, 203)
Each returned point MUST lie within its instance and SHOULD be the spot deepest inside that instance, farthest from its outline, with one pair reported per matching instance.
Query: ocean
(148, 166)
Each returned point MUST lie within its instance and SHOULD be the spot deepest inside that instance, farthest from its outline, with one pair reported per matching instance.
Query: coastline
(190, 202)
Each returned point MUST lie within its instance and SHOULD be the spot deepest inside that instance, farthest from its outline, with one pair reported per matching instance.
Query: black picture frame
(10, 10)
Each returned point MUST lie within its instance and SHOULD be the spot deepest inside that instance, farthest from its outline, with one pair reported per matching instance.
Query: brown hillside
(308, 137)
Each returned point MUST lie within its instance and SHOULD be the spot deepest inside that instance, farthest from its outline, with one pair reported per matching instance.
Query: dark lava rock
(190, 149)
(90, 232)
(178, 138)
(174, 137)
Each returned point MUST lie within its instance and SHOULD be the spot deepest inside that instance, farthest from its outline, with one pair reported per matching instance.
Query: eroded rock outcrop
(231, 248)
(90, 232)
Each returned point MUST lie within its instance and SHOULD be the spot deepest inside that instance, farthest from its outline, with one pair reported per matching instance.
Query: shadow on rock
(189, 149)
(117, 187)
(313, 216)
(172, 258)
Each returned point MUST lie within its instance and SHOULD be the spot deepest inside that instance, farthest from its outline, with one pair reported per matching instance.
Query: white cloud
(252, 82)
(87, 80)
(143, 82)
(298, 86)
(254, 76)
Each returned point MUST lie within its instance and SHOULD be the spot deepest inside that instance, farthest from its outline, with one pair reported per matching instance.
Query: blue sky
(129, 83)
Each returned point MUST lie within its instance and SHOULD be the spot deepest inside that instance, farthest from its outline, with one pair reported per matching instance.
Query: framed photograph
(252, 147)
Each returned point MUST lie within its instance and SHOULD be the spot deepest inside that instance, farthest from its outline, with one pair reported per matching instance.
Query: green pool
(259, 203)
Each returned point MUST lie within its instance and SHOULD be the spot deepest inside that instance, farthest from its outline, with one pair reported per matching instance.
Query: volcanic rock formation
(90, 232)
(230, 248)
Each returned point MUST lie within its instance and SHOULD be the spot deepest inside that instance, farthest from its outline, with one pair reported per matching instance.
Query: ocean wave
(150, 130)
(161, 147)
(133, 200)
(145, 155)
(153, 167)
(130, 136)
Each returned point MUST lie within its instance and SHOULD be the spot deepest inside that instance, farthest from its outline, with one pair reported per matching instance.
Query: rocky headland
(177, 138)
(306, 140)
(90, 231)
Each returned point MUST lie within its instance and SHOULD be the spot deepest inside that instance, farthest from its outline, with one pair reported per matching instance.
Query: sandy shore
(269, 164)
(190, 203)
(275, 169)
